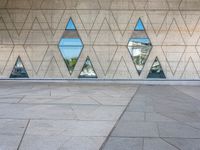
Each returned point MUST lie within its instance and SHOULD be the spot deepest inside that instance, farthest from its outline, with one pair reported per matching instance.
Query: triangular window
(139, 26)
(156, 70)
(70, 25)
(19, 70)
(88, 70)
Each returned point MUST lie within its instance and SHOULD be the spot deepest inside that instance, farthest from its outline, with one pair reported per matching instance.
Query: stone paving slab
(162, 117)
(59, 116)
(9, 142)
(62, 116)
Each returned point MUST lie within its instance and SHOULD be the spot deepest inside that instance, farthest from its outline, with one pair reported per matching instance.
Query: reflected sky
(139, 26)
(70, 47)
(70, 25)
(70, 52)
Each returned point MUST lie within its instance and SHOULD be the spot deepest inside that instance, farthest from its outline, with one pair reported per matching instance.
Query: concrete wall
(32, 29)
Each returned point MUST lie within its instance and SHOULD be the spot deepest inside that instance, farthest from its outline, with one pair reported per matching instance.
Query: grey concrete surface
(64, 116)
(83, 116)
(159, 118)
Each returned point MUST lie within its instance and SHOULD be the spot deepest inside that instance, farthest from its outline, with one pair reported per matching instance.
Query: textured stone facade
(32, 30)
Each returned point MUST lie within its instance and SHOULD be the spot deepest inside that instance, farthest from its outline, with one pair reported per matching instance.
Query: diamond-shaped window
(19, 70)
(88, 70)
(139, 46)
(156, 70)
(70, 46)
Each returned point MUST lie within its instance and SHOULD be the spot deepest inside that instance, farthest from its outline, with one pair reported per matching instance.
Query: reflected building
(156, 70)
(19, 70)
(139, 46)
(88, 70)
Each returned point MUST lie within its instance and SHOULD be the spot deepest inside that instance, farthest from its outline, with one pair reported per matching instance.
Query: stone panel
(34, 29)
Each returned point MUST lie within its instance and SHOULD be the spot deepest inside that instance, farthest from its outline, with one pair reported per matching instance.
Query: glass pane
(70, 55)
(70, 25)
(71, 46)
(88, 70)
(156, 70)
(19, 70)
(139, 46)
(139, 49)
(139, 26)
(71, 42)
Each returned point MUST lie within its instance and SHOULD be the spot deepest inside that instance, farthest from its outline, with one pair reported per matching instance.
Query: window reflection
(139, 46)
(19, 70)
(139, 26)
(70, 46)
(156, 70)
(88, 70)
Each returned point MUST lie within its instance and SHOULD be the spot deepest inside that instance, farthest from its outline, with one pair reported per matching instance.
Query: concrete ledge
(110, 81)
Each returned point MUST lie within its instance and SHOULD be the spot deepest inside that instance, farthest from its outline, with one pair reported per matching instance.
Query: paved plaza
(88, 116)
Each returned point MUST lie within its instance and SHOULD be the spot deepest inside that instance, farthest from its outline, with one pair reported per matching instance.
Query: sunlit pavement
(81, 116)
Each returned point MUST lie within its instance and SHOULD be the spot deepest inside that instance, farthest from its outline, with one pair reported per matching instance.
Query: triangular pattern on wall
(156, 70)
(122, 71)
(88, 23)
(174, 4)
(36, 34)
(88, 4)
(173, 55)
(18, 18)
(35, 4)
(190, 70)
(70, 4)
(4, 34)
(157, 19)
(173, 31)
(191, 4)
(122, 19)
(155, 4)
(105, 35)
(70, 45)
(122, 4)
(53, 70)
(6, 51)
(139, 46)
(18, 4)
(105, 60)
(191, 20)
(105, 4)
(33, 51)
(52, 4)
(88, 70)
(53, 18)
(19, 70)
(140, 4)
